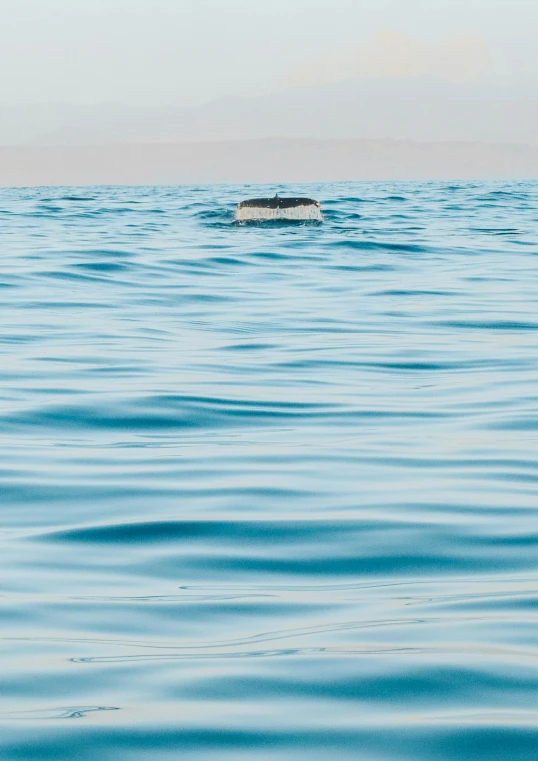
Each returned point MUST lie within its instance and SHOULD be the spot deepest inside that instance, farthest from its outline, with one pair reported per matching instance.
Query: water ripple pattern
(269, 491)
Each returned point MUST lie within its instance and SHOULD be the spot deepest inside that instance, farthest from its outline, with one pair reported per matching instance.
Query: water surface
(269, 492)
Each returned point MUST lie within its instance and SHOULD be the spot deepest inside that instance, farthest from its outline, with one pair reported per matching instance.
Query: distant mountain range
(275, 161)
(419, 109)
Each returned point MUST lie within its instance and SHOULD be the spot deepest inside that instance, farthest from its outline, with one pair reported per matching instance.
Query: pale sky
(156, 52)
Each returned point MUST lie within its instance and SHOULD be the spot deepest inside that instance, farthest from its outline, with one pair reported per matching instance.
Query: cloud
(394, 54)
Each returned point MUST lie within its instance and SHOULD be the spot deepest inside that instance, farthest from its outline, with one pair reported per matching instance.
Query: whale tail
(266, 209)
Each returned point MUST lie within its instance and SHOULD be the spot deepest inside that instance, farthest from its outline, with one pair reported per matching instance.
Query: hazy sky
(172, 51)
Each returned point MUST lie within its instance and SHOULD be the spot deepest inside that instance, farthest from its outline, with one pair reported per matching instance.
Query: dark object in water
(278, 208)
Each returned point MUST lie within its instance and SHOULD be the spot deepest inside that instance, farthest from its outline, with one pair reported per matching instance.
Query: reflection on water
(269, 491)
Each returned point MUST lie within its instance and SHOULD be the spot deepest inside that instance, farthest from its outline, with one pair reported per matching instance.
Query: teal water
(269, 491)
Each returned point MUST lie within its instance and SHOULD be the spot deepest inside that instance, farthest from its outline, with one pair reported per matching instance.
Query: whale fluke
(259, 209)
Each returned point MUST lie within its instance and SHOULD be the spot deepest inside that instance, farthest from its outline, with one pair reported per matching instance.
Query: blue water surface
(269, 492)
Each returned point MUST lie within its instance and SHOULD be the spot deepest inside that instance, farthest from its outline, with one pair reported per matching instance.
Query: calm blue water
(269, 492)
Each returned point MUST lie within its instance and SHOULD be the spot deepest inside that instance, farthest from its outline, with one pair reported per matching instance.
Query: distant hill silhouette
(420, 109)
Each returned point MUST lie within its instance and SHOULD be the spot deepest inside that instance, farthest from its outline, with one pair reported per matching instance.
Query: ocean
(269, 491)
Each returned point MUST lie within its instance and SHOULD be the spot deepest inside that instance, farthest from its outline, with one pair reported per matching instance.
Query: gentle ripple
(269, 491)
